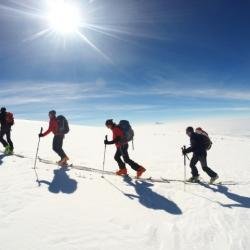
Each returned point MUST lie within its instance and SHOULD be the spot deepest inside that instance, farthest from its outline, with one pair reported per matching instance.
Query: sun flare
(63, 18)
(71, 20)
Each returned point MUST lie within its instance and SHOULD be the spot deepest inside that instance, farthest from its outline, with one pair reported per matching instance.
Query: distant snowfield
(80, 210)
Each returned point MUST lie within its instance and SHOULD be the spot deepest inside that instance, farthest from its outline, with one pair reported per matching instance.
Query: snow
(80, 210)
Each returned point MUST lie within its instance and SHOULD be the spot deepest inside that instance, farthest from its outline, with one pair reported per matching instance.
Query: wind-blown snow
(80, 210)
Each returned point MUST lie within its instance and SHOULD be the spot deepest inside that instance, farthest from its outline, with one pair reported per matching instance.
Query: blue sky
(145, 61)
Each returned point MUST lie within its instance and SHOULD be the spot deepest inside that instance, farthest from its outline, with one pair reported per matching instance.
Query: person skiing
(199, 155)
(122, 150)
(6, 121)
(58, 138)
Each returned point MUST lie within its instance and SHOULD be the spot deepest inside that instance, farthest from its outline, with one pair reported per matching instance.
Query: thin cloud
(53, 92)
(204, 93)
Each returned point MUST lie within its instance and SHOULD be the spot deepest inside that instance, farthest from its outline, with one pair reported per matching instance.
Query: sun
(70, 20)
(63, 18)
(78, 20)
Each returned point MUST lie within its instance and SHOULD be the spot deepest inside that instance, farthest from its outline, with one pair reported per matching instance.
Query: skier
(6, 121)
(59, 134)
(122, 150)
(198, 147)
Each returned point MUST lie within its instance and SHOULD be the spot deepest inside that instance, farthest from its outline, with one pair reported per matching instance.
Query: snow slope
(80, 210)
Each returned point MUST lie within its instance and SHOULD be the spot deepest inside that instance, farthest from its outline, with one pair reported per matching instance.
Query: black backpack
(127, 130)
(63, 125)
(206, 141)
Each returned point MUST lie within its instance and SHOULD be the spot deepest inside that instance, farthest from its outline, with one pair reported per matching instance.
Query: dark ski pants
(57, 145)
(123, 152)
(4, 142)
(203, 160)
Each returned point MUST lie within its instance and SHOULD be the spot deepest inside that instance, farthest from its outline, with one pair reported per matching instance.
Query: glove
(40, 135)
(106, 142)
(184, 151)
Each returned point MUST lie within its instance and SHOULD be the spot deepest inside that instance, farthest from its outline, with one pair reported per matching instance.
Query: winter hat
(189, 130)
(52, 112)
(109, 122)
(3, 109)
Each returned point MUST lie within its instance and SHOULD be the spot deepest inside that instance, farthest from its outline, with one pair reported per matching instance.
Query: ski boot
(11, 151)
(140, 171)
(194, 179)
(63, 162)
(122, 172)
(213, 179)
(8, 150)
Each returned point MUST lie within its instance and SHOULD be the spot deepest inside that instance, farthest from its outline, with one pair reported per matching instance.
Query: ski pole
(187, 156)
(185, 160)
(104, 156)
(37, 154)
(185, 163)
(37, 149)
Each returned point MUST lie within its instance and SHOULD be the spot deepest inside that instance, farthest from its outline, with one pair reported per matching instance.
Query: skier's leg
(60, 149)
(54, 144)
(205, 168)
(194, 170)
(118, 159)
(126, 158)
(8, 136)
(57, 145)
(2, 133)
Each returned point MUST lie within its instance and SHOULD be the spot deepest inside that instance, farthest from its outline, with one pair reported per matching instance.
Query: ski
(202, 182)
(77, 167)
(54, 163)
(13, 154)
(84, 168)
(148, 179)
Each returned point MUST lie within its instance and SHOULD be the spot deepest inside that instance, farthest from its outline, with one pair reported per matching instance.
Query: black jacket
(197, 145)
(4, 125)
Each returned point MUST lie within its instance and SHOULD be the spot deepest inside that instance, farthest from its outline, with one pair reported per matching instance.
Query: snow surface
(80, 210)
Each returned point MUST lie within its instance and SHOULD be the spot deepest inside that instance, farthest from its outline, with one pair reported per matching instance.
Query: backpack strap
(133, 144)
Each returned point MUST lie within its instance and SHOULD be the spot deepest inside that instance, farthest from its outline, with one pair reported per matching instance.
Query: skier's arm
(50, 129)
(192, 147)
(47, 132)
(117, 139)
(187, 150)
(1, 117)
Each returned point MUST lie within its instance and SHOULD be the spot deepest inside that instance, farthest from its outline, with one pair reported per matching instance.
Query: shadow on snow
(242, 201)
(150, 199)
(1, 158)
(61, 182)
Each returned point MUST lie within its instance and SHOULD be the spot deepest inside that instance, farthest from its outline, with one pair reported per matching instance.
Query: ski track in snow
(76, 209)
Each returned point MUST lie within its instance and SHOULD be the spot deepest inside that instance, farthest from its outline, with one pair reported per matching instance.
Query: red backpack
(9, 118)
